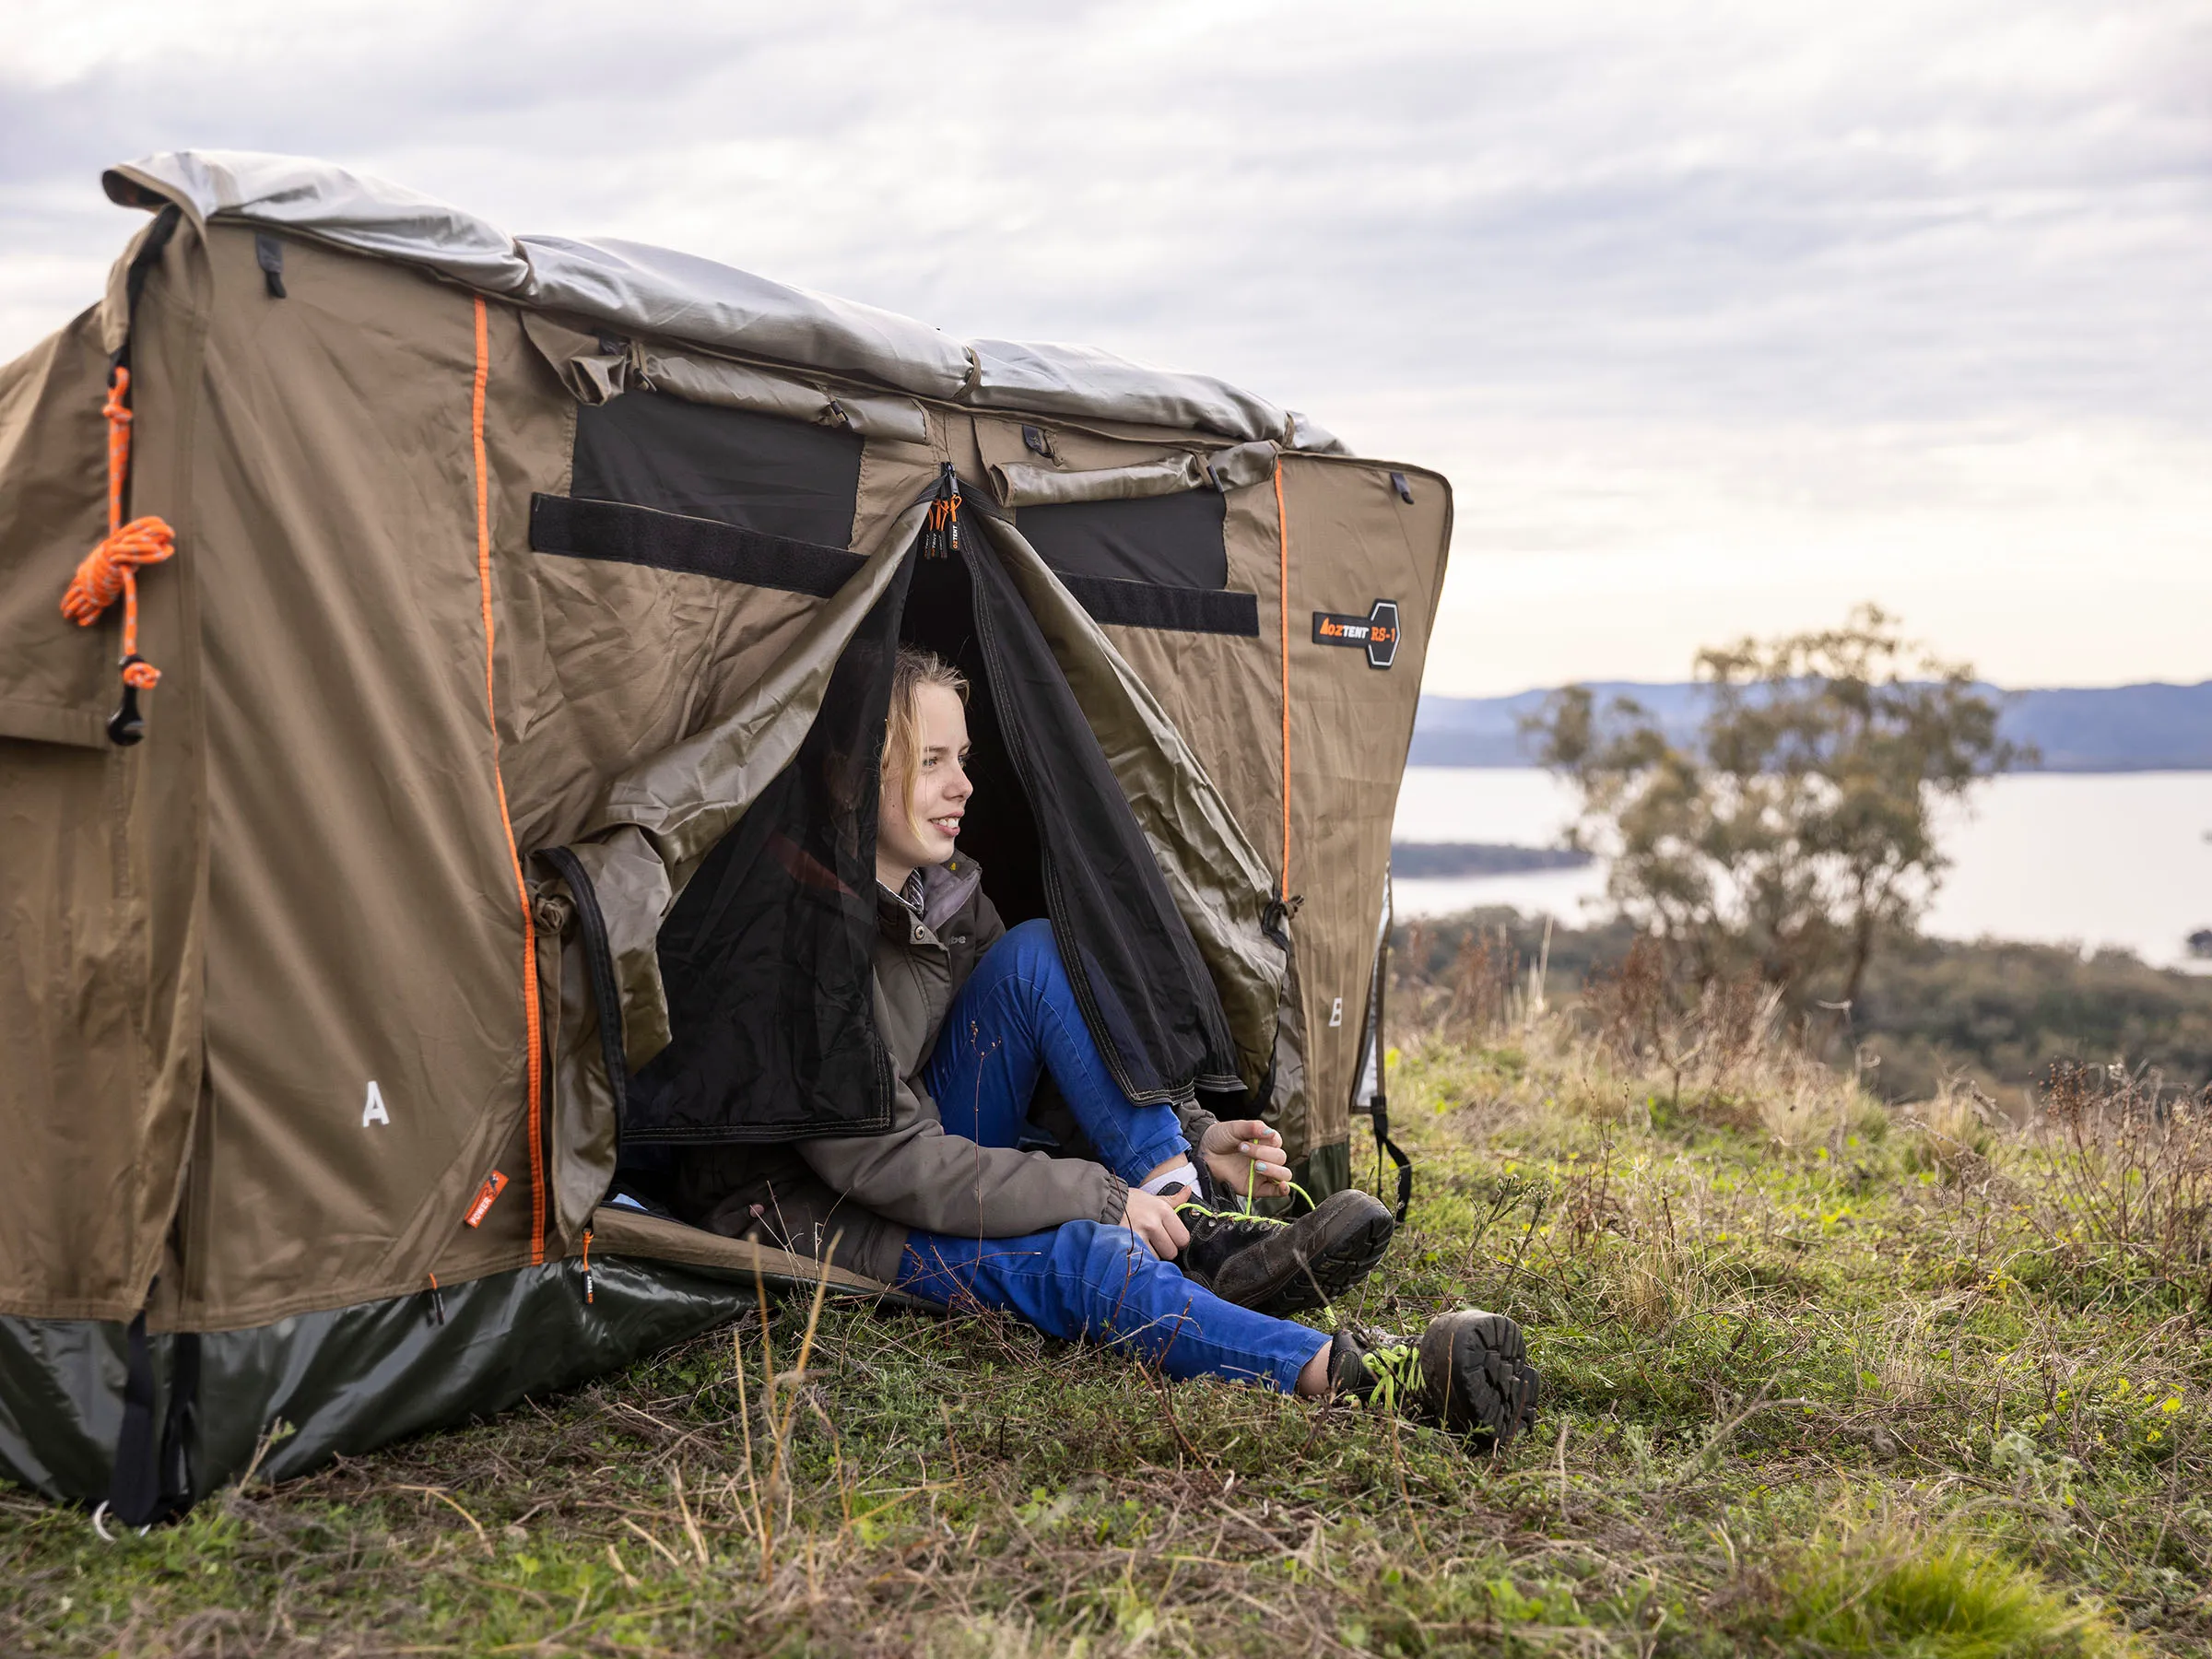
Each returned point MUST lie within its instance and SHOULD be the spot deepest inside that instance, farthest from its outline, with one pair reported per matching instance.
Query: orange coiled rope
(112, 568)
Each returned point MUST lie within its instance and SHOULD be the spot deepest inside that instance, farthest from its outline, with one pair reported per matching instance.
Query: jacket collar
(945, 892)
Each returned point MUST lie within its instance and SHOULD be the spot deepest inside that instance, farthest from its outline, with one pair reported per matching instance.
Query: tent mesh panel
(1143, 988)
(766, 957)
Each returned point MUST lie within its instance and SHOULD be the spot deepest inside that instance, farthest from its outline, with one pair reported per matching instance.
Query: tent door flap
(584, 1042)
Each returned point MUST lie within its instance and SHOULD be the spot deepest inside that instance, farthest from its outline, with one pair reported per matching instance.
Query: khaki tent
(523, 591)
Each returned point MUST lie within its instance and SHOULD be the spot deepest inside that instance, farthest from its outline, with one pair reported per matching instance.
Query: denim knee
(1101, 1269)
(1099, 1254)
(1033, 949)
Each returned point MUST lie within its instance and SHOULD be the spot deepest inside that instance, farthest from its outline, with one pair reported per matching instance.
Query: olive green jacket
(853, 1198)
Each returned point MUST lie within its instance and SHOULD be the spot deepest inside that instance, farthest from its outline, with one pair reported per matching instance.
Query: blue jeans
(1015, 1019)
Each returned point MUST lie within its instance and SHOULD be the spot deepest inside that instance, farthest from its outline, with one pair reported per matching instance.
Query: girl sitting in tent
(1122, 1248)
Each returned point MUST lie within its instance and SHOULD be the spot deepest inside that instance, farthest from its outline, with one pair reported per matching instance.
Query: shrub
(1907, 1596)
(2130, 1170)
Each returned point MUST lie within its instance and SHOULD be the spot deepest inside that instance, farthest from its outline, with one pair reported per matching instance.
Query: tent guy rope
(112, 568)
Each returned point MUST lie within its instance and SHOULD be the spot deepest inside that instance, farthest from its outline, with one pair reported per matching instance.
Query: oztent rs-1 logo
(1376, 633)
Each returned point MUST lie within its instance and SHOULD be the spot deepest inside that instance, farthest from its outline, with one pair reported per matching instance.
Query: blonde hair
(913, 669)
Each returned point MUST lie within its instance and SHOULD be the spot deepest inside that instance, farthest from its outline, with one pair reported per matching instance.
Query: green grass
(1821, 1377)
(1916, 1598)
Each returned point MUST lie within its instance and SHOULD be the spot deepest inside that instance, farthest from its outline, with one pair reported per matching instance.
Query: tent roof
(637, 288)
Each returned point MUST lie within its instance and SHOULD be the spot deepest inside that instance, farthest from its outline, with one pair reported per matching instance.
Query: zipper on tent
(942, 537)
(494, 1184)
(533, 1023)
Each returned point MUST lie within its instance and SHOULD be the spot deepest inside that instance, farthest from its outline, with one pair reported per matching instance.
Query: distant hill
(2108, 729)
(1480, 858)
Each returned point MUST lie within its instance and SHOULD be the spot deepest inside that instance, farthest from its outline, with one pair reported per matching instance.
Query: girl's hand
(1246, 1157)
(1153, 1220)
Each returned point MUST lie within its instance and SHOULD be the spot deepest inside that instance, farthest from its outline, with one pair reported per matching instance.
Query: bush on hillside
(1799, 829)
(1998, 1015)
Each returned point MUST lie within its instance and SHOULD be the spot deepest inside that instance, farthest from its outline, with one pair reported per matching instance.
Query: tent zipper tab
(494, 1184)
(942, 537)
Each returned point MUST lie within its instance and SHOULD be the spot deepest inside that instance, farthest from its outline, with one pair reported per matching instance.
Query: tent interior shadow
(1000, 831)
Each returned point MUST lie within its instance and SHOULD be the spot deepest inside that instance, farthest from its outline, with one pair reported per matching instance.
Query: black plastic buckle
(127, 726)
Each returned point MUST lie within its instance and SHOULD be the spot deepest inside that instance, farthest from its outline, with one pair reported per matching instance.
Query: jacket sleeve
(921, 1177)
(1196, 1121)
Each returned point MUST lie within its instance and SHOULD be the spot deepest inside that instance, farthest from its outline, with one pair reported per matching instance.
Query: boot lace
(1395, 1377)
(1252, 1174)
(1204, 1220)
(1199, 1213)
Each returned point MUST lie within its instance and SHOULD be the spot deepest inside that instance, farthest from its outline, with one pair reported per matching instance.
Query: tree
(1799, 827)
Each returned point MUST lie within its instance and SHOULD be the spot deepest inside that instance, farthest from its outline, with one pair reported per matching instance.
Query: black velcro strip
(670, 541)
(1176, 609)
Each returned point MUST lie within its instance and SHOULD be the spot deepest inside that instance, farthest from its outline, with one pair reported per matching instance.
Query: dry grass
(1820, 1379)
(2128, 1170)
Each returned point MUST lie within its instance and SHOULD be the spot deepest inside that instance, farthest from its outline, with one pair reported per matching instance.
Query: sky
(1720, 318)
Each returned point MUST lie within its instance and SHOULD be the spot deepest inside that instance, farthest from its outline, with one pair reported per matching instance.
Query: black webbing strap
(152, 1478)
(1386, 1148)
(179, 1423)
(1173, 609)
(135, 1491)
(126, 726)
(134, 279)
(671, 541)
(1384, 1145)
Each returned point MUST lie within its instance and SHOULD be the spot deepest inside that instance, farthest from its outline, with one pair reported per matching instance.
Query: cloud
(1673, 288)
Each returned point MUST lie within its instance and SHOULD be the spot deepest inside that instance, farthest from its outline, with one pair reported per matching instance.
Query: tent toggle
(268, 254)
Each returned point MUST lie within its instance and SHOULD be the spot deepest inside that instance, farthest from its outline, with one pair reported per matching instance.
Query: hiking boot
(1284, 1267)
(1468, 1371)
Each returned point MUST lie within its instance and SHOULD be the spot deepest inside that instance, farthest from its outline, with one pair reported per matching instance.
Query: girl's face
(919, 818)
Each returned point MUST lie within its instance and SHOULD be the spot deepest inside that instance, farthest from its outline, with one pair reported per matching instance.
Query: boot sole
(1342, 1267)
(1493, 1389)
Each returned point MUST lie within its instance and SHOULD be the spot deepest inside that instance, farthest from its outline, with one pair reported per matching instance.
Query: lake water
(2092, 859)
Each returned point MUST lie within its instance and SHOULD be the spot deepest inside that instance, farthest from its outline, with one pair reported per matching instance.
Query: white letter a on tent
(372, 1109)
